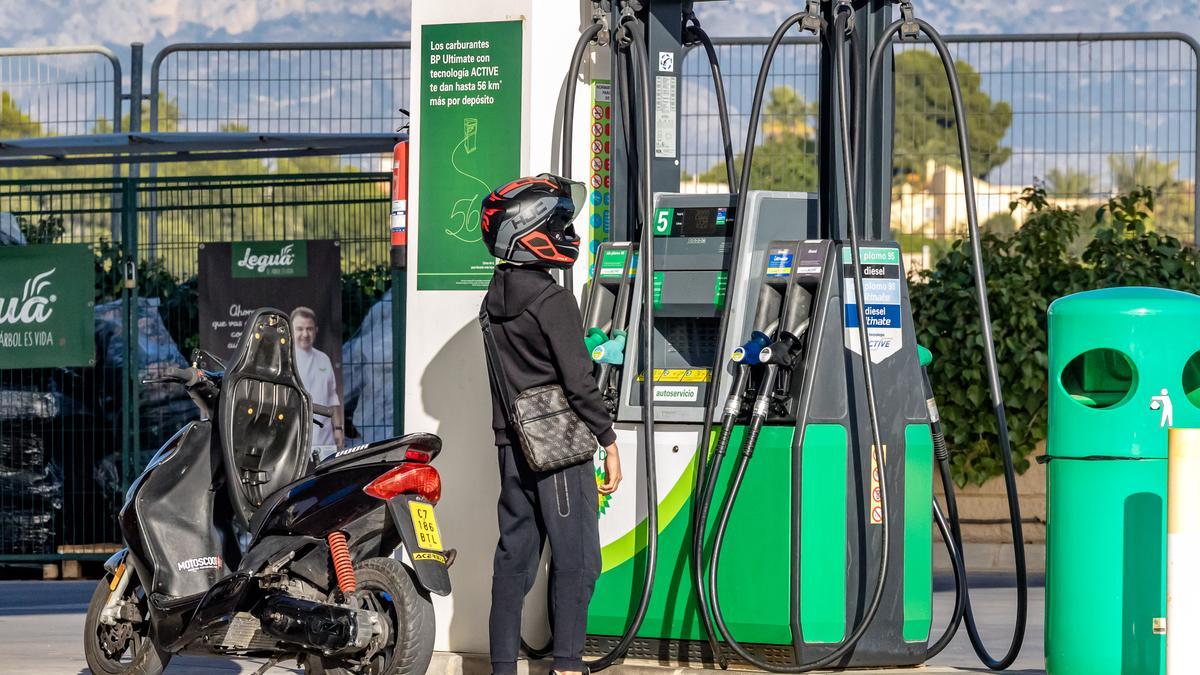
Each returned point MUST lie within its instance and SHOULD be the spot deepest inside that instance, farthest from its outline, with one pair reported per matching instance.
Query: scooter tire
(149, 661)
(413, 621)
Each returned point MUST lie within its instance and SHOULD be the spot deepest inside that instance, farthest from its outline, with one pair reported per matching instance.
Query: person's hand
(612, 470)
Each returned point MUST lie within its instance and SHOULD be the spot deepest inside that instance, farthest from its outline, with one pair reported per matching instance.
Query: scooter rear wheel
(123, 649)
(386, 586)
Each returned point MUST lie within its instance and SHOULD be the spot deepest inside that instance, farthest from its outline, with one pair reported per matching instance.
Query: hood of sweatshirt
(513, 288)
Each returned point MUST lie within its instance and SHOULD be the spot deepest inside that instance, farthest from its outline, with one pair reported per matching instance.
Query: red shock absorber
(343, 567)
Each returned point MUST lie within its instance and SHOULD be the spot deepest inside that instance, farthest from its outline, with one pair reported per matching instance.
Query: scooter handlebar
(324, 411)
(188, 377)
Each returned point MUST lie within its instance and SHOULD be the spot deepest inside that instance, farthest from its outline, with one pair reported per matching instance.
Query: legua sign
(46, 318)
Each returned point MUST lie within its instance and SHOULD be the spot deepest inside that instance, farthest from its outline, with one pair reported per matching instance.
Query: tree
(14, 123)
(787, 157)
(1172, 206)
(1068, 183)
(925, 128)
(1142, 170)
(925, 124)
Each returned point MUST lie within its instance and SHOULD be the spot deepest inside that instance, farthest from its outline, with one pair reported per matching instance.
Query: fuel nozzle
(594, 338)
(747, 354)
(784, 351)
(611, 351)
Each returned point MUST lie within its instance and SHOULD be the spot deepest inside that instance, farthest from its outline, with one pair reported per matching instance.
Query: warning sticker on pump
(665, 116)
(881, 279)
(876, 493)
(697, 375)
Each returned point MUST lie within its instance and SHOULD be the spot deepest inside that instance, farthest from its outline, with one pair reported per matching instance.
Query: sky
(116, 23)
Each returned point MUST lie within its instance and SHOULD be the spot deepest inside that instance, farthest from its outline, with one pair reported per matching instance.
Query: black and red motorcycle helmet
(529, 220)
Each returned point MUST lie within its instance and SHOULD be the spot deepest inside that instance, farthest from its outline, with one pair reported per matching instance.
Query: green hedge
(1055, 253)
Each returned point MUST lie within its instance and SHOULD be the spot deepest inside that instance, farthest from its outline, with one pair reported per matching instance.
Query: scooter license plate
(425, 525)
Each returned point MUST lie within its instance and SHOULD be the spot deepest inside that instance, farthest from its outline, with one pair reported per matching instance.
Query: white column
(446, 390)
(1183, 550)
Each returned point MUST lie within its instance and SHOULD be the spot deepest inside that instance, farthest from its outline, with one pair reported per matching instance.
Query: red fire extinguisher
(399, 203)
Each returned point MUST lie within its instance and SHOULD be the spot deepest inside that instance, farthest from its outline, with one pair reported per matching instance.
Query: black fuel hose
(714, 65)
(700, 487)
(646, 263)
(837, 43)
(989, 346)
(568, 128)
(960, 581)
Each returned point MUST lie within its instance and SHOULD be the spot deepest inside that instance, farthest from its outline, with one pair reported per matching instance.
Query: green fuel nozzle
(594, 338)
(611, 351)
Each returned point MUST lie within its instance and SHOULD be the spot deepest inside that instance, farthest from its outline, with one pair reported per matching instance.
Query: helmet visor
(578, 194)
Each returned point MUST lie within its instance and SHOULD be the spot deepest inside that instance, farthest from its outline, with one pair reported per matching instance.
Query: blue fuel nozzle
(748, 353)
(594, 338)
(613, 351)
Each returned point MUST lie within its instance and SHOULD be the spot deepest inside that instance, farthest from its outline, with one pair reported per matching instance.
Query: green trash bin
(1124, 365)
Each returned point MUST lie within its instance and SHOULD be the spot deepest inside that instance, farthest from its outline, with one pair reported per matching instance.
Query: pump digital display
(702, 222)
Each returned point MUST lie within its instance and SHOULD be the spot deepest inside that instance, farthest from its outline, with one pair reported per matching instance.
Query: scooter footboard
(414, 520)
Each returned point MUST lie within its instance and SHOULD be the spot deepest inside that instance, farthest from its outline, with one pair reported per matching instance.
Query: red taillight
(421, 479)
(414, 455)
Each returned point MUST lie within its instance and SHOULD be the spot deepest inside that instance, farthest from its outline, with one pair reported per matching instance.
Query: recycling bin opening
(1103, 378)
(1191, 379)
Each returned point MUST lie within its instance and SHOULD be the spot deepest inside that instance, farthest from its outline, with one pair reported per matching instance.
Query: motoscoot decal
(208, 562)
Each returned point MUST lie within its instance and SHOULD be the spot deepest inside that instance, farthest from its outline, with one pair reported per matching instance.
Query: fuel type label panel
(779, 263)
(881, 309)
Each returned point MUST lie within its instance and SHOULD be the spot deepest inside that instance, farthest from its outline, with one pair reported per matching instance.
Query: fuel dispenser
(759, 358)
(693, 248)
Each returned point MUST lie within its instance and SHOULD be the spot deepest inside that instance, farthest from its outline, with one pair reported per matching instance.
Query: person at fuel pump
(316, 373)
(538, 334)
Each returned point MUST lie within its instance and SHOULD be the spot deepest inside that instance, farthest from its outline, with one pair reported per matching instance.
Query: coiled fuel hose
(759, 414)
(963, 605)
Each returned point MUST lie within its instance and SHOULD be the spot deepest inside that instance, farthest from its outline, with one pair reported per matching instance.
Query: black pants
(561, 506)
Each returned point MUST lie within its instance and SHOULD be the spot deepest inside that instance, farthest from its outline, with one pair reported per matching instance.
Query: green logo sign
(663, 220)
(46, 316)
(256, 259)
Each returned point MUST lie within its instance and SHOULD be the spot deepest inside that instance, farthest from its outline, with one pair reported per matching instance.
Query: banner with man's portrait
(302, 278)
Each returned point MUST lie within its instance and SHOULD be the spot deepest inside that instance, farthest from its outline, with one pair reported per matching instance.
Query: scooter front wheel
(124, 647)
(386, 586)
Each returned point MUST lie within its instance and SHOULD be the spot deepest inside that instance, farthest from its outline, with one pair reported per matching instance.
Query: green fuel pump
(790, 318)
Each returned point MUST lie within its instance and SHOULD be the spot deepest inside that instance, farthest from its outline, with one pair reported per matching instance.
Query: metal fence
(1087, 115)
(71, 439)
(280, 87)
(1084, 115)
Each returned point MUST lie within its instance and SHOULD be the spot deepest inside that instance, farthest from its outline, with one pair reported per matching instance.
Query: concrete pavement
(41, 626)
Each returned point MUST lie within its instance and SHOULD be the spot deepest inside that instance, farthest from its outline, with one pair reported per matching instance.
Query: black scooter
(239, 544)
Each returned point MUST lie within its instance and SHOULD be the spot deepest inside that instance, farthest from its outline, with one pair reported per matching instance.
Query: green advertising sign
(469, 135)
(258, 259)
(46, 295)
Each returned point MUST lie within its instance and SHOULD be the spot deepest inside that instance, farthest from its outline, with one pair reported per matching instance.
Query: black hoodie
(539, 331)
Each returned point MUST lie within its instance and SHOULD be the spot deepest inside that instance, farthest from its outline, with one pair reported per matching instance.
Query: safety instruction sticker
(779, 263)
(600, 163)
(881, 286)
(876, 492)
